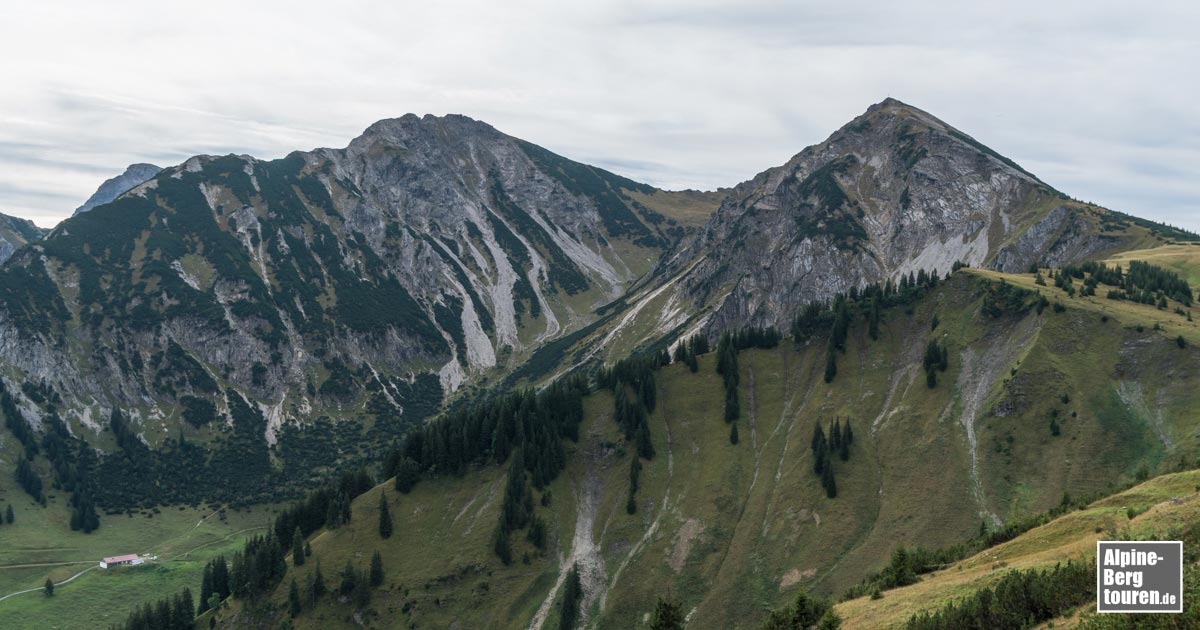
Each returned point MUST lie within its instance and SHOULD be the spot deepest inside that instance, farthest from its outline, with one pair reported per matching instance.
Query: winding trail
(56, 585)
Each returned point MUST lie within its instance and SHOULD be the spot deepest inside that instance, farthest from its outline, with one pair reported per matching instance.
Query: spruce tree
(631, 504)
(873, 322)
(501, 545)
(827, 481)
(297, 547)
(385, 517)
(733, 433)
(206, 588)
(376, 576)
(572, 594)
(408, 472)
(668, 615)
(349, 579)
(830, 363)
(294, 598)
(635, 467)
(48, 587)
(318, 581)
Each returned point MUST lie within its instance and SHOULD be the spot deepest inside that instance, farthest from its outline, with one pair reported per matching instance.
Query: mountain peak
(115, 187)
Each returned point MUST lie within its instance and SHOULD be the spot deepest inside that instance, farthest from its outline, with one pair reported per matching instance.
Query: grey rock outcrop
(112, 188)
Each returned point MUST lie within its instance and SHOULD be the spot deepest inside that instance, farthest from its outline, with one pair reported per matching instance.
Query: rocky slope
(15, 232)
(115, 187)
(361, 282)
(894, 191)
(355, 289)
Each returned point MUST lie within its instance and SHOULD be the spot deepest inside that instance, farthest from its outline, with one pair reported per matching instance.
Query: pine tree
(385, 517)
(835, 435)
(847, 434)
(349, 579)
(318, 581)
(645, 448)
(376, 569)
(501, 545)
(830, 363)
(873, 322)
(635, 467)
(733, 434)
(732, 409)
(206, 588)
(407, 474)
(294, 598)
(668, 615)
(828, 482)
(572, 594)
(297, 547)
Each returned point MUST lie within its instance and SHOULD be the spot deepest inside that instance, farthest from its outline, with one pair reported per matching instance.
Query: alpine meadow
(446, 378)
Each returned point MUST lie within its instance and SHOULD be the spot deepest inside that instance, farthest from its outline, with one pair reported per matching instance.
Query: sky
(1093, 97)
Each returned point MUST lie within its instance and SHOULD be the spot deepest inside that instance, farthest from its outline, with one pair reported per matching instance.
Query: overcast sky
(1099, 102)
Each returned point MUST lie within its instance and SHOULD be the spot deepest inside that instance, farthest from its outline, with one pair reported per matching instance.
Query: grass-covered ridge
(733, 530)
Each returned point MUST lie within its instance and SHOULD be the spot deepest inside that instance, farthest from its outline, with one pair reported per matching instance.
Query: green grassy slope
(182, 539)
(1161, 505)
(733, 530)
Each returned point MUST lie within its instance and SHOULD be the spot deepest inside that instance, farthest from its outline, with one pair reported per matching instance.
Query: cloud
(1094, 99)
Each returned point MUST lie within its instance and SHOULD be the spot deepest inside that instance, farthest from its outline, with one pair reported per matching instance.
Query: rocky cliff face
(434, 246)
(15, 232)
(115, 187)
(894, 191)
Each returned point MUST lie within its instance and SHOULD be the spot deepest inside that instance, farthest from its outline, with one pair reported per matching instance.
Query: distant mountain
(112, 188)
(15, 232)
(435, 257)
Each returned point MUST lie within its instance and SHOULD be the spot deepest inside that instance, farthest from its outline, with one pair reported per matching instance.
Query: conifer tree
(830, 362)
(828, 482)
(407, 475)
(645, 448)
(206, 589)
(385, 517)
(668, 615)
(572, 594)
(318, 581)
(48, 587)
(873, 318)
(294, 605)
(631, 504)
(733, 434)
(376, 576)
(635, 467)
(297, 547)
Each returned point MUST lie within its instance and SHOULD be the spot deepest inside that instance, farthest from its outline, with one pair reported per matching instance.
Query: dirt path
(46, 564)
(56, 585)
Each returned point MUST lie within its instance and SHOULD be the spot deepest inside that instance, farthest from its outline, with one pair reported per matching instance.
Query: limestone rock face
(15, 232)
(115, 187)
(428, 252)
(894, 191)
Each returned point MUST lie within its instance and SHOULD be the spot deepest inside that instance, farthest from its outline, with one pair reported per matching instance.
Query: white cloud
(1094, 99)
